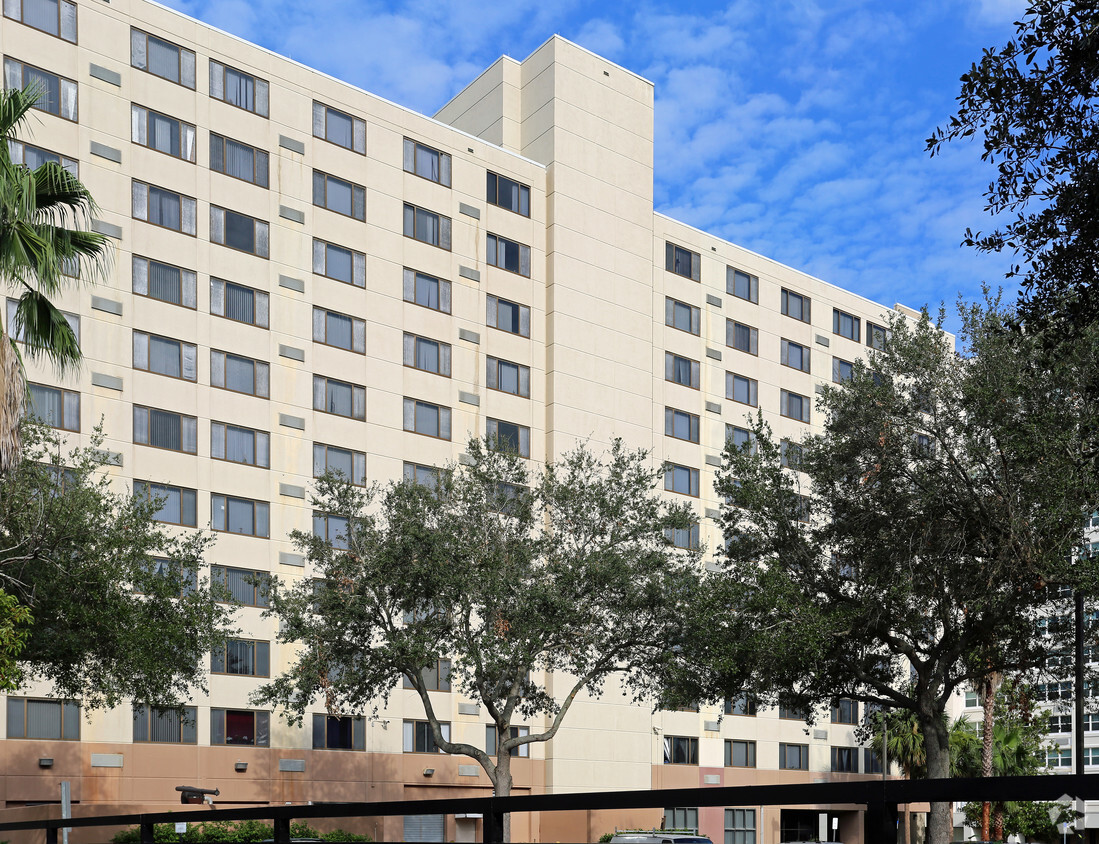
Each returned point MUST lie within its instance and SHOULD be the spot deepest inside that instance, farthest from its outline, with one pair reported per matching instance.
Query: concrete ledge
(108, 229)
(469, 211)
(292, 353)
(104, 151)
(293, 214)
(110, 382)
(109, 76)
(469, 398)
(469, 272)
(291, 144)
(469, 336)
(292, 283)
(288, 421)
(288, 559)
(109, 306)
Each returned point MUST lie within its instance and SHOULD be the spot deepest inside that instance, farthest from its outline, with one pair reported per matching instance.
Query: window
(338, 263)
(57, 17)
(239, 303)
(165, 726)
(239, 515)
(508, 255)
(742, 704)
(791, 712)
(795, 355)
(238, 88)
(58, 95)
(242, 656)
(240, 445)
(332, 529)
(33, 157)
(680, 750)
(165, 356)
(428, 476)
(13, 305)
(162, 58)
(165, 282)
(507, 436)
(436, 677)
(871, 762)
(427, 226)
(418, 737)
(245, 586)
(162, 133)
(742, 389)
(164, 208)
(741, 437)
(508, 377)
(239, 374)
(1059, 757)
(842, 370)
(740, 754)
(681, 425)
(241, 161)
(183, 580)
(427, 291)
(240, 726)
(350, 464)
(43, 719)
(431, 420)
(339, 128)
(339, 330)
(492, 745)
(793, 757)
(177, 504)
(1053, 691)
(508, 316)
(682, 261)
(339, 196)
(339, 397)
(971, 698)
(794, 406)
(741, 337)
(425, 354)
(738, 283)
(845, 711)
(845, 759)
(683, 537)
(681, 479)
(845, 325)
(876, 336)
(796, 305)
(682, 316)
(331, 732)
(164, 429)
(790, 456)
(57, 408)
(740, 826)
(1091, 723)
(681, 370)
(426, 162)
(509, 194)
(1060, 723)
(681, 818)
(239, 231)
(1091, 755)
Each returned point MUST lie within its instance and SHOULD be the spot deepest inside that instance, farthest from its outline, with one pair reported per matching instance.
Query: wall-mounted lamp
(240, 767)
(429, 772)
(45, 762)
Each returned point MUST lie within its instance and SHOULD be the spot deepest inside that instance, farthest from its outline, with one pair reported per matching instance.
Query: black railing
(881, 798)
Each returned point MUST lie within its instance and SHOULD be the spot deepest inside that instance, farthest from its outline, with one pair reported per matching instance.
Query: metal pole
(1078, 697)
(66, 809)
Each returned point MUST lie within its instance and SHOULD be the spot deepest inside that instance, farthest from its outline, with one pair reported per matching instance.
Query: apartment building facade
(307, 276)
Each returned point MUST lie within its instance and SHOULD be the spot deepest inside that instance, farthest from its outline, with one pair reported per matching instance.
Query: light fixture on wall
(45, 762)
(240, 767)
(429, 772)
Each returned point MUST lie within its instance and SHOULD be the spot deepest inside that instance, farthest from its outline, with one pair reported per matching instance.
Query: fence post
(494, 824)
(51, 835)
(146, 833)
(282, 830)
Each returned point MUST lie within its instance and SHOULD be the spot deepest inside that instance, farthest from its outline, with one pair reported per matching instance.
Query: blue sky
(794, 128)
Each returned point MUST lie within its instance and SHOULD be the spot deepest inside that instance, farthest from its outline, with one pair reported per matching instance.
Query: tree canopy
(912, 546)
(1035, 104)
(119, 611)
(487, 578)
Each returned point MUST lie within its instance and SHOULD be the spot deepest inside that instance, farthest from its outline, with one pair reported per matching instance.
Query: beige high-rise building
(307, 275)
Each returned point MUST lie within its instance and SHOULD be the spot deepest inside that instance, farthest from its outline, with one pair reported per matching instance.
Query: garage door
(424, 827)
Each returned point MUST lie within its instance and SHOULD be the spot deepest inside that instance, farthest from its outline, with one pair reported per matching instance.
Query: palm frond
(45, 332)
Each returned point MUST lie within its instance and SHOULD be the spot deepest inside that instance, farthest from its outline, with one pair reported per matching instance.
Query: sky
(794, 128)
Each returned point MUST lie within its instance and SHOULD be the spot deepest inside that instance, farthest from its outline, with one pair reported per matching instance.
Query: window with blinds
(57, 95)
(55, 407)
(339, 263)
(57, 17)
(426, 162)
(164, 208)
(165, 282)
(165, 356)
(240, 445)
(176, 505)
(340, 330)
(239, 303)
(240, 374)
(245, 586)
(427, 226)
(239, 160)
(238, 88)
(339, 397)
(239, 231)
(165, 726)
(240, 515)
(242, 656)
(431, 420)
(350, 464)
(29, 718)
(162, 133)
(165, 429)
(162, 58)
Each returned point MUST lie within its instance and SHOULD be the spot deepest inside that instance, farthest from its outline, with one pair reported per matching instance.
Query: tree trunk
(989, 693)
(998, 822)
(13, 390)
(502, 785)
(940, 826)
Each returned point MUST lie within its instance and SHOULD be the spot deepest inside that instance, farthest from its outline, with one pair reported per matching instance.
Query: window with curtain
(682, 316)
(239, 515)
(240, 726)
(350, 464)
(165, 726)
(339, 195)
(239, 374)
(795, 305)
(165, 282)
(240, 445)
(58, 95)
(743, 338)
(29, 718)
(681, 370)
(332, 529)
(740, 754)
(238, 88)
(239, 160)
(339, 397)
(239, 303)
(681, 479)
(422, 417)
(794, 355)
(339, 128)
(242, 656)
(334, 732)
(682, 261)
(508, 377)
(246, 586)
(741, 285)
(680, 750)
(846, 325)
(508, 255)
(508, 316)
(33, 157)
(164, 208)
(427, 226)
(426, 162)
(57, 408)
(426, 291)
(507, 436)
(57, 17)
(508, 193)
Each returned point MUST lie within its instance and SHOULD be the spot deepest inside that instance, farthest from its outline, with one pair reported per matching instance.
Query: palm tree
(36, 246)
